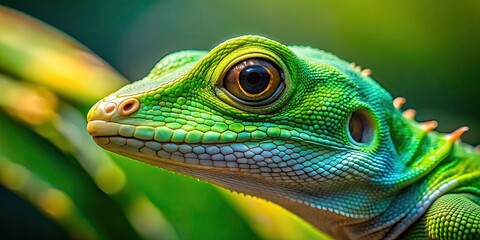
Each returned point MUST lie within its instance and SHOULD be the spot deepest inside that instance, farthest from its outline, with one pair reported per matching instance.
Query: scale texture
(304, 129)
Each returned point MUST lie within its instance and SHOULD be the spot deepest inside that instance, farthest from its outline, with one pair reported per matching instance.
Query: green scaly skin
(297, 150)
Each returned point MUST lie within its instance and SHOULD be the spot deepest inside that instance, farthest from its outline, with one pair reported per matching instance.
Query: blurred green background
(425, 51)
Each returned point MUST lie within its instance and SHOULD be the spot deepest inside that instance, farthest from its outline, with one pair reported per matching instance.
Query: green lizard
(304, 129)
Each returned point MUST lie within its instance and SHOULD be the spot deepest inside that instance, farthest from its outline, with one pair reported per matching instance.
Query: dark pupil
(254, 79)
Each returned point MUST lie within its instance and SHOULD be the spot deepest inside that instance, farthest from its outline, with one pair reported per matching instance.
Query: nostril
(109, 108)
(129, 106)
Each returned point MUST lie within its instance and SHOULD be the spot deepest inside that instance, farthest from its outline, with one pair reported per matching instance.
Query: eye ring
(254, 82)
(361, 127)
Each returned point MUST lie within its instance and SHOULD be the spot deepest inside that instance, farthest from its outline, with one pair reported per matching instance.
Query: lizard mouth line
(114, 137)
(164, 135)
(271, 158)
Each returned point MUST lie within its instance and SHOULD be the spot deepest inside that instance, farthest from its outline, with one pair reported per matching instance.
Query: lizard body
(302, 128)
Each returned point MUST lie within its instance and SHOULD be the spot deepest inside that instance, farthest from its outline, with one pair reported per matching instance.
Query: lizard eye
(361, 127)
(254, 82)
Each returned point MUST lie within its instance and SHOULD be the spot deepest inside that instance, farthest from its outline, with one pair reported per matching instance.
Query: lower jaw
(221, 176)
(159, 154)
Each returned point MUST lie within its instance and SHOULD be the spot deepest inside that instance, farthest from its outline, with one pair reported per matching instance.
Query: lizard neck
(443, 166)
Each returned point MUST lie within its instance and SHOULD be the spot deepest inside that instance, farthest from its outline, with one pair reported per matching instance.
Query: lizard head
(255, 116)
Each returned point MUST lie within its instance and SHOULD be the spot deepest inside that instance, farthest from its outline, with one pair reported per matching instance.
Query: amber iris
(253, 80)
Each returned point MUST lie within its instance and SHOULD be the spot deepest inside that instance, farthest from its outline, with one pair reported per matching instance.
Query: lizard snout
(106, 109)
